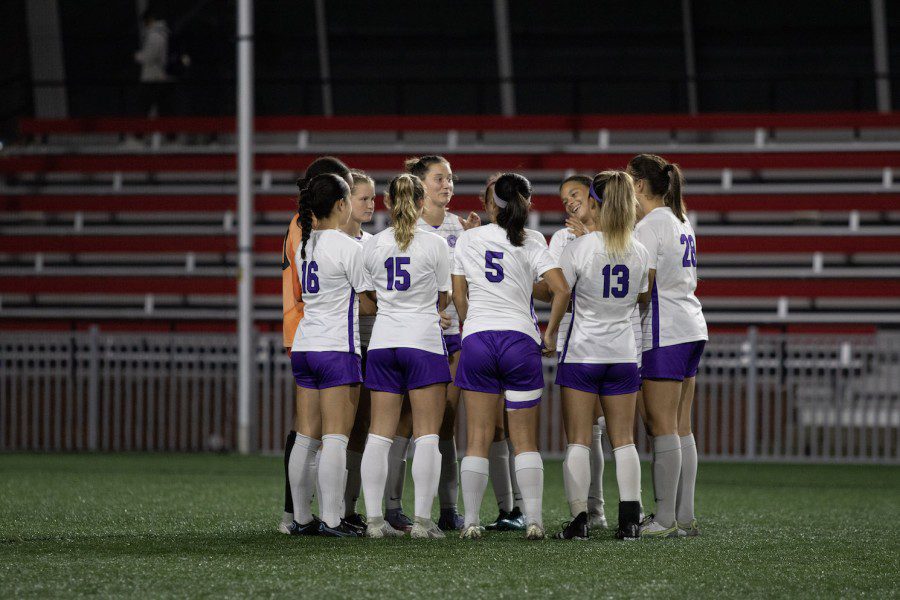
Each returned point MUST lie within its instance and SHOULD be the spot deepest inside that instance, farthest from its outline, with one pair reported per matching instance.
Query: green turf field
(174, 525)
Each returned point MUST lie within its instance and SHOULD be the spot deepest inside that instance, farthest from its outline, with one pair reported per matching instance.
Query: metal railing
(784, 397)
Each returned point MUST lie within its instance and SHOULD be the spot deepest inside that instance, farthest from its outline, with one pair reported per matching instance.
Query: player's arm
(461, 296)
(644, 297)
(559, 288)
(368, 304)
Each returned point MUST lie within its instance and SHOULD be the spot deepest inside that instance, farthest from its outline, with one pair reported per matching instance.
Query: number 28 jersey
(605, 290)
(501, 280)
(406, 284)
(675, 315)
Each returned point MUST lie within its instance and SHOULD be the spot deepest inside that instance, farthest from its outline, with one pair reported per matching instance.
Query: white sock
(576, 475)
(396, 474)
(332, 467)
(473, 473)
(688, 480)
(595, 493)
(500, 475)
(530, 475)
(628, 473)
(426, 473)
(517, 493)
(666, 471)
(302, 477)
(374, 472)
(448, 489)
(354, 481)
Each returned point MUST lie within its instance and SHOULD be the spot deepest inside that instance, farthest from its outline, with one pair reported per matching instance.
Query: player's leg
(619, 410)
(501, 481)
(355, 449)
(523, 423)
(516, 521)
(393, 491)
(428, 411)
(596, 512)
(481, 413)
(448, 488)
(301, 464)
(578, 418)
(288, 516)
(684, 505)
(661, 399)
(338, 409)
(385, 413)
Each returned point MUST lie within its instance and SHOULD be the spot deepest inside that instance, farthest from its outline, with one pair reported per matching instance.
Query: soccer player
(437, 177)
(299, 445)
(574, 193)
(410, 272)
(607, 270)
(494, 269)
(362, 207)
(674, 337)
(325, 356)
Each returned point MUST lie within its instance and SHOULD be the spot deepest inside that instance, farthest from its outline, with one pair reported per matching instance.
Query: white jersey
(407, 283)
(501, 280)
(558, 241)
(330, 276)
(366, 322)
(605, 289)
(675, 315)
(538, 237)
(450, 230)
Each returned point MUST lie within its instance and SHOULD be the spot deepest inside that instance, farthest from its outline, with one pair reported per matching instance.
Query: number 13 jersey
(501, 280)
(605, 289)
(675, 315)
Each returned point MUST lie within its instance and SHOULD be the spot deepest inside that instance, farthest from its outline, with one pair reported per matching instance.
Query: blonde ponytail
(617, 211)
(405, 195)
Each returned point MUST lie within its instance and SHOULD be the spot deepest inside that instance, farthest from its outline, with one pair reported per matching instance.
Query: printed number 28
(309, 278)
(397, 277)
(690, 251)
(493, 269)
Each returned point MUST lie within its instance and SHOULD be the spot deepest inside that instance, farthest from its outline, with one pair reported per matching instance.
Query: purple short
(676, 362)
(321, 370)
(502, 361)
(605, 380)
(398, 370)
(453, 343)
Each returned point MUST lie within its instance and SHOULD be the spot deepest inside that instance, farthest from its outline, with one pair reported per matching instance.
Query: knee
(619, 437)
(478, 441)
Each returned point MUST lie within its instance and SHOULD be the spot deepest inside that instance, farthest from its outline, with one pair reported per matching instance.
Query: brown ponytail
(512, 196)
(405, 194)
(664, 178)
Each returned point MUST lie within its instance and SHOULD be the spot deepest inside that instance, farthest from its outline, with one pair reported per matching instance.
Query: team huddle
(387, 332)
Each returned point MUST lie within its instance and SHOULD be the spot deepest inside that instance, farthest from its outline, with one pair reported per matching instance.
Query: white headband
(498, 200)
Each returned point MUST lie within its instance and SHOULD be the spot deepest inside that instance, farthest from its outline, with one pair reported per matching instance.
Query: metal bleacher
(132, 221)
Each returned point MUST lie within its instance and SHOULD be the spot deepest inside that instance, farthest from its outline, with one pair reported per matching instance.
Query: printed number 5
(309, 279)
(494, 272)
(690, 251)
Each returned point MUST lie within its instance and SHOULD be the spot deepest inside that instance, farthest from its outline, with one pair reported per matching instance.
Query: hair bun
(668, 169)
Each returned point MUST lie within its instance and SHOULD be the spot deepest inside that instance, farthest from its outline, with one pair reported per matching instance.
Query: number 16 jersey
(605, 290)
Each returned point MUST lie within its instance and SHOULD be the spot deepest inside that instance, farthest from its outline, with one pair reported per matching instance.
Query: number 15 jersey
(605, 289)
(501, 280)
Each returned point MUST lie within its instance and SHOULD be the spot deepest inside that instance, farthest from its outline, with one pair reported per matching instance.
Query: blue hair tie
(594, 195)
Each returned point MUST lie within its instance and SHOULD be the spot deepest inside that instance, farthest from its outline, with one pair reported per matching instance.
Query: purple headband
(594, 194)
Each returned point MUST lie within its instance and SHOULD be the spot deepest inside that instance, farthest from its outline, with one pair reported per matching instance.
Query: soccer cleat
(356, 521)
(311, 528)
(629, 521)
(341, 531)
(651, 528)
(472, 532)
(377, 528)
(576, 529)
(450, 520)
(597, 518)
(285, 525)
(534, 532)
(499, 522)
(398, 520)
(691, 529)
(515, 521)
(426, 529)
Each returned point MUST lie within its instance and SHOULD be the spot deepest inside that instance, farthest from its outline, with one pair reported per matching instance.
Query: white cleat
(472, 532)
(426, 529)
(597, 518)
(534, 532)
(691, 529)
(653, 529)
(378, 529)
(285, 525)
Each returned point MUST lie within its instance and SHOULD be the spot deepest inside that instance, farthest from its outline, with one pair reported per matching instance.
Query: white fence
(790, 397)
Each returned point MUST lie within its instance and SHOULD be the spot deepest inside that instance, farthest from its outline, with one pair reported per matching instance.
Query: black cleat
(357, 522)
(629, 521)
(341, 531)
(499, 522)
(450, 520)
(576, 529)
(514, 522)
(311, 528)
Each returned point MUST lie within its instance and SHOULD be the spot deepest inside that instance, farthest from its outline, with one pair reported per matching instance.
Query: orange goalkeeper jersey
(291, 294)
